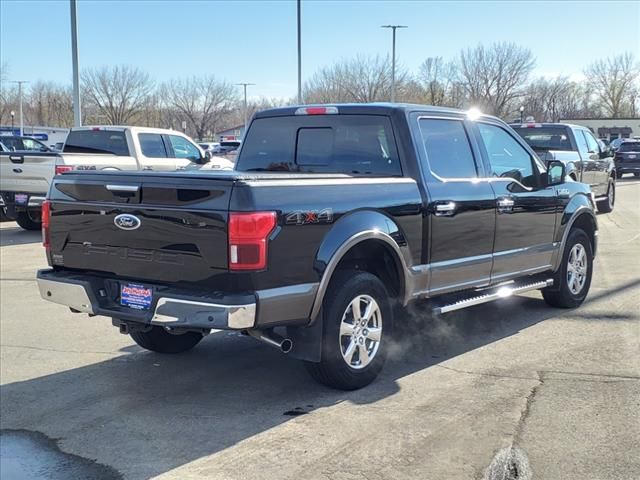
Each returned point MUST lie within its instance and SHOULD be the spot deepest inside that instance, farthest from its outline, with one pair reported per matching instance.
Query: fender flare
(571, 214)
(349, 231)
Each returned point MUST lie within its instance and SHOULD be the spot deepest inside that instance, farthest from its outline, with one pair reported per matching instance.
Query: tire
(159, 340)
(564, 293)
(606, 205)
(636, 174)
(619, 174)
(29, 220)
(339, 345)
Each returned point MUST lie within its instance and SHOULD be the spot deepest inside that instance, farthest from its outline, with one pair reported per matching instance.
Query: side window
(30, 144)
(581, 141)
(448, 151)
(152, 145)
(592, 143)
(507, 157)
(183, 148)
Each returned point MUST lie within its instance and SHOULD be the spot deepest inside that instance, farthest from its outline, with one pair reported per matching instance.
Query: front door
(526, 210)
(460, 209)
(599, 162)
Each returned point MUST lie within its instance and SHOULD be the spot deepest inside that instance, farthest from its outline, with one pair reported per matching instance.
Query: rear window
(629, 147)
(97, 141)
(351, 144)
(546, 138)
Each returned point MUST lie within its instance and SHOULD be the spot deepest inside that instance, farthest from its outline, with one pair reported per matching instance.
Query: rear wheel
(619, 174)
(573, 279)
(636, 174)
(606, 204)
(159, 340)
(358, 321)
(29, 220)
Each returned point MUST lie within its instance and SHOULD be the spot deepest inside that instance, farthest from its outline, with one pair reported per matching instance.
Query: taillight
(46, 217)
(63, 168)
(248, 234)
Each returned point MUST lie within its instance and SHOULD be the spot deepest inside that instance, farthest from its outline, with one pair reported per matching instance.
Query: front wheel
(606, 204)
(29, 220)
(159, 340)
(573, 279)
(619, 174)
(358, 322)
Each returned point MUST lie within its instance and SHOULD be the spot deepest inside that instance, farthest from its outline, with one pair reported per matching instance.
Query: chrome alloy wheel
(577, 269)
(360, 331)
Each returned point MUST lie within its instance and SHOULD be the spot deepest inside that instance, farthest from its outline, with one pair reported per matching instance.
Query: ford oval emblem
(126, 221)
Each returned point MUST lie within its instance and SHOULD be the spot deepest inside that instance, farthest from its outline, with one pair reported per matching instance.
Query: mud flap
(307, 341)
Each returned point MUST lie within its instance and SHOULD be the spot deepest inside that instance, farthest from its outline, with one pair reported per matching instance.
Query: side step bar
(500, 292)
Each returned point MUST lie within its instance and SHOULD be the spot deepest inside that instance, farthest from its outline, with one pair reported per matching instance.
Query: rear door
(526, 210)
(599, 162)
(460, 207)
(155, 152)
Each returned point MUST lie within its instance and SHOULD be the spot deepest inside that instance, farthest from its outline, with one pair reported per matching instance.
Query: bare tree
(494, 76)
(50, 104)
(612, 80)
(361, 79)
(8, 95)
(118, 93)
(202, 101)
(437, 78)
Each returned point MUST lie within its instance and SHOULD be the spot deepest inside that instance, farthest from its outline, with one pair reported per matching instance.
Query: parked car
(229, 146)
(212, 147)
(627, 158)
(23, 144)
(579, 149)
(615, 143)
(336, 216)
(25, 176)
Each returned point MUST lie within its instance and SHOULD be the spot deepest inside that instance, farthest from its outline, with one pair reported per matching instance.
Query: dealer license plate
(136, 296)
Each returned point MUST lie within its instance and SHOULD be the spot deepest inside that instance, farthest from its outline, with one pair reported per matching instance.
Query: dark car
(24, 144)
(586, 159)
(336, 217)
(627, 158)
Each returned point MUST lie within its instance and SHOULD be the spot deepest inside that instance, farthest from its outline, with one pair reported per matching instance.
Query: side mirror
(556, 171)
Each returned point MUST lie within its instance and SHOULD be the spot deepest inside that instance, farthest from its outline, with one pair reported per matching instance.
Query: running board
(500, 292)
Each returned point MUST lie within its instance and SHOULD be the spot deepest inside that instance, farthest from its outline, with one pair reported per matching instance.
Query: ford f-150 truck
(335, 218)
(586, 159)
(25, 176)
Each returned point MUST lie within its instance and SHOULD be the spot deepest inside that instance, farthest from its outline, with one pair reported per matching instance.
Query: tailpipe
(285, 345)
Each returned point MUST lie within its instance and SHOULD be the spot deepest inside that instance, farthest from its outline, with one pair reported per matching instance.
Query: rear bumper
(178, 308)
(7, 200)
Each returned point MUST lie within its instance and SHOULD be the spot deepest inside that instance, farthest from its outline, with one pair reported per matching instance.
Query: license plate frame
(21, 199)
(136, 296)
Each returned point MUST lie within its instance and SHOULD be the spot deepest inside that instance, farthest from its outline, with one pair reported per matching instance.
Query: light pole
(393, 59)
(13, 114)
(521, 114)
(245, 85)
(299, 53)
(20, 82)
(77, 117)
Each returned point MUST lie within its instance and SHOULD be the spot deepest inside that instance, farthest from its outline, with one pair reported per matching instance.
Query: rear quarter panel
(301, 247)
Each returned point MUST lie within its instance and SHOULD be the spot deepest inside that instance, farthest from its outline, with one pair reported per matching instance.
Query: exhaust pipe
(285, 345)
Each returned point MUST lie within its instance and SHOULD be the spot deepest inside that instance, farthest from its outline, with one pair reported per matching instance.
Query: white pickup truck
(25, 176)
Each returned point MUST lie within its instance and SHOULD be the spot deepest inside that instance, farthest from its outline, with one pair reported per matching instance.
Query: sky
(255, 41)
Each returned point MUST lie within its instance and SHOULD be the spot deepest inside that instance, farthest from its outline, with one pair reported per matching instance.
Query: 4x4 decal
(309, 217)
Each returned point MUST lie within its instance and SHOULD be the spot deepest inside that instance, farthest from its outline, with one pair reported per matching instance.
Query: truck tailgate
(173, 229)
(26, 172)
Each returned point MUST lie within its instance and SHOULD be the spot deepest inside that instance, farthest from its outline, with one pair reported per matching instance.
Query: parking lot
(503, 390)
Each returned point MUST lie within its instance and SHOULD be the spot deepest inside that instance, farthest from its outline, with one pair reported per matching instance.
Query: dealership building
(609, 128)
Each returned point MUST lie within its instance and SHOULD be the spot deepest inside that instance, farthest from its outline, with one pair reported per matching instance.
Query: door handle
(505, 204)
(445, 209)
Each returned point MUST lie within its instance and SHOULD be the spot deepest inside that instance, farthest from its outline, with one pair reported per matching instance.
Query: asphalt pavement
(509, 390)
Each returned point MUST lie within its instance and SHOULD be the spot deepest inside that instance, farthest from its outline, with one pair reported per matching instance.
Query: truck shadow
(145, 414)
(14, 235)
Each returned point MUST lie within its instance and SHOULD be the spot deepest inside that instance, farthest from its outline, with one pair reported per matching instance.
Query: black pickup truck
(336, 218)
